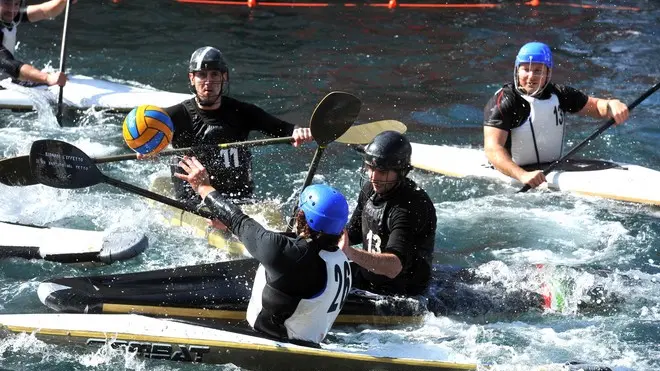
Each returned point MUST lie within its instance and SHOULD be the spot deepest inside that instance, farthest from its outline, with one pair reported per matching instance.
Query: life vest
(312, 318)
(9, 39)
(540, 138)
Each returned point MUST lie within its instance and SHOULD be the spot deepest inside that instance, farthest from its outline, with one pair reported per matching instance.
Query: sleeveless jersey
(540, 138)
(312, 318)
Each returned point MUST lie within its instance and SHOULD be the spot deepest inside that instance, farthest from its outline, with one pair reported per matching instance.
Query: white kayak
(82, 92)
(188, 342)
(624, 182)
(67, 245)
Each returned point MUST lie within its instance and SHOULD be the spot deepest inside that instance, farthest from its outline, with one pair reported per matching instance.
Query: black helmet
(389, 150)
(207, 58)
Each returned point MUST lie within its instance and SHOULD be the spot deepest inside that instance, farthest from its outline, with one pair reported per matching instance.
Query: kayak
(218, 292)
(82, 92)
(624, 182)
(189, 342)
(224, 240)
(67, 245)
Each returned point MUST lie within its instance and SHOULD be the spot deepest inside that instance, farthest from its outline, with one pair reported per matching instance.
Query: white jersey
(9, 39)
(313, 317)
(540, 138)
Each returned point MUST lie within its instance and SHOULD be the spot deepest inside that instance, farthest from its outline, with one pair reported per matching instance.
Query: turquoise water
(431, 69)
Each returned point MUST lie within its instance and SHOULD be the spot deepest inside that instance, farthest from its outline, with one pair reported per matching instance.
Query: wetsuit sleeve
(274, 250)
(407, 223)
(8, 64)
(266, 123)
(570, 99)
(499, 111)
(354, 227)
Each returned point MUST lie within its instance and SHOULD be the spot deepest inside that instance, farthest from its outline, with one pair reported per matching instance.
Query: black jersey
(230, 169)
(402, 224)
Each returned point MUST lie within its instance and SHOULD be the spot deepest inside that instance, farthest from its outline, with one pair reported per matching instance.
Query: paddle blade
(61, 165)
(365, 133)
(334, 114)
(16, 171)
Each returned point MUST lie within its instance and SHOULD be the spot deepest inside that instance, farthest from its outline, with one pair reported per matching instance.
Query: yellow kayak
(267, 212)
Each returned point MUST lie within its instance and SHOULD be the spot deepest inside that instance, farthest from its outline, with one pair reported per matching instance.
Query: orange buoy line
(391, 4)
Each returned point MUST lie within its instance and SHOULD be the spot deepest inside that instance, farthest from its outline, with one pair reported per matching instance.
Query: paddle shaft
(182, 151)
(362, 134)
(60, 99)
(155, 196)
(606, 126)
(308, 180)
(15, 171)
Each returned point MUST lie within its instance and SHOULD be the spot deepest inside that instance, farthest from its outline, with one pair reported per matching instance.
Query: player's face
(9, 9)
(532, 77)
(382, 181)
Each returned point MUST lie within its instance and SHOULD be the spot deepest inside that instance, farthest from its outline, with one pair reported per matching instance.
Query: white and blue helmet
(533, 52)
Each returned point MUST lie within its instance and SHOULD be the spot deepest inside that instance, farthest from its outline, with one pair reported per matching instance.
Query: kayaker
(12, 13)
(304, 277)
(395, 220)
(524, 122)
(212, 117)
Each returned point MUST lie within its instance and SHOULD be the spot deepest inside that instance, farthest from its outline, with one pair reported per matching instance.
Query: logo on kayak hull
(181, 352)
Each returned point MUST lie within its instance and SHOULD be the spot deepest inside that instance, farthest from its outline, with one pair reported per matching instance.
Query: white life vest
(9, 39)
(540, 138)
(313, 317)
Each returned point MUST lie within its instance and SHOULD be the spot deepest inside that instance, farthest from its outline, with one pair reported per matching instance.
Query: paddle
(62, 165)
(342, 114)
(605, 126)
(15, 171)
(60, 108)
(365, 133)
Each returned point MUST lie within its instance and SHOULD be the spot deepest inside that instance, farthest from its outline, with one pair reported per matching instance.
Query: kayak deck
(179, 341)
(66, 245)
(217, 292)
(82, 92)
(623, 182)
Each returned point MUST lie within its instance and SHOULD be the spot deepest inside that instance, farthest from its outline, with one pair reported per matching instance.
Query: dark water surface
(432, 69)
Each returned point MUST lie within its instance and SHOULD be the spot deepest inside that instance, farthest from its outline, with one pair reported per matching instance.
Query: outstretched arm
(29, 73)
(385, 264)
(49, 9)
(494, 142)
(606, 108)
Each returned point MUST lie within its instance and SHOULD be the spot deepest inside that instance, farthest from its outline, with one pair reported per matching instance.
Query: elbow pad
(222, 209)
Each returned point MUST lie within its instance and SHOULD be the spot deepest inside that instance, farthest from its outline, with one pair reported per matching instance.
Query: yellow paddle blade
(365, 133)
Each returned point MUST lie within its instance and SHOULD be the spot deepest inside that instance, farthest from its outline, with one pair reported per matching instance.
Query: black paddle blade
(334, 114)
(15, 171)
(62, 165)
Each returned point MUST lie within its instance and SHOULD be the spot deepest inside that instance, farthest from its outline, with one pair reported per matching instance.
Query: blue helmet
(534, 52)
(325, 208)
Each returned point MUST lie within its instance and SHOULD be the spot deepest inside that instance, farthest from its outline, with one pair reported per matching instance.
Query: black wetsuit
(9, 66)
(402, 224)
(230, 169)
(507, 109)
(294, 269)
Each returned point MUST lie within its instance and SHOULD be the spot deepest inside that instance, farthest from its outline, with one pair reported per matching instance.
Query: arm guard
(228, 213)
